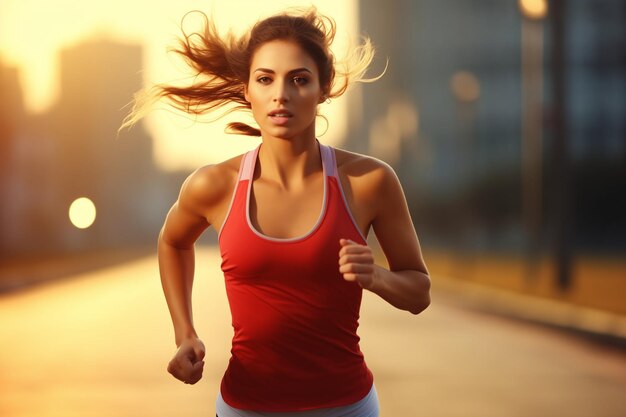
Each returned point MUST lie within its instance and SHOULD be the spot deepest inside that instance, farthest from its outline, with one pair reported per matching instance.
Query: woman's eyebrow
(293, 71)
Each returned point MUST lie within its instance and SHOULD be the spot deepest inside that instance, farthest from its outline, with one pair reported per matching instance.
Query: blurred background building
(72, 151)
(504, 120)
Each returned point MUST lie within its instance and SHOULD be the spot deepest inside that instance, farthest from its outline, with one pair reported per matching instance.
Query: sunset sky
(33, 31)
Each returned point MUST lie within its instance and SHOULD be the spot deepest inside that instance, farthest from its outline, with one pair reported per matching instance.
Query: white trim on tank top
(329, 167)
(324, 157)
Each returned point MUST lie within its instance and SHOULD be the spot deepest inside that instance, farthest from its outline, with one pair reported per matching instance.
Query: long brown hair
(222, 65)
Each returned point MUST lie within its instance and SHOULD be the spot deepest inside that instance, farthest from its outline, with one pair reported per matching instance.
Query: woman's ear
(323, 96)
(245, 93)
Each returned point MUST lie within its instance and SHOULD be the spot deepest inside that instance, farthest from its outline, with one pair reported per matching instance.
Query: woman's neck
(288, 162)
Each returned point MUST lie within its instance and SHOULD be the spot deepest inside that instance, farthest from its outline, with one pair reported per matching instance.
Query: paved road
(97, 345)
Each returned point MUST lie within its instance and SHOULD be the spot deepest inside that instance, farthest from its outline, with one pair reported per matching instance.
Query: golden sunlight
(32, 33)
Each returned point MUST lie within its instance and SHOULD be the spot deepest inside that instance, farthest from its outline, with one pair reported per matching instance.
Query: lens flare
(82, 213)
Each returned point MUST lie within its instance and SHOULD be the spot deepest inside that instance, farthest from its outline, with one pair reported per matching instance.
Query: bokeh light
(534, 9)
(465, 86)
(82, 212)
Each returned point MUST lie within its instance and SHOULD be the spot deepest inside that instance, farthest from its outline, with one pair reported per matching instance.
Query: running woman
(292, 216)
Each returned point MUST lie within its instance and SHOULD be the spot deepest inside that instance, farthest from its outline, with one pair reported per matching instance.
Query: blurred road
(97, 344)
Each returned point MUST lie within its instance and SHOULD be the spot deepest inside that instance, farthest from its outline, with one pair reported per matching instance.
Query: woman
(292, 217)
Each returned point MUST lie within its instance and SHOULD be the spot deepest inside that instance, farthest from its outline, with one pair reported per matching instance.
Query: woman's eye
(300, 80)
(264, 80)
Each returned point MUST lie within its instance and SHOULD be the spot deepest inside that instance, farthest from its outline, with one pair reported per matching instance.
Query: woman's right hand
(187, 364)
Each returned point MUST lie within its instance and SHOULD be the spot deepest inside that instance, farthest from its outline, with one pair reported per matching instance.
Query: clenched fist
(356, 263)
(187, 364)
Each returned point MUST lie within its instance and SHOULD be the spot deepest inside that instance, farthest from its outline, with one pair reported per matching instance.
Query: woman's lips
(280, 117)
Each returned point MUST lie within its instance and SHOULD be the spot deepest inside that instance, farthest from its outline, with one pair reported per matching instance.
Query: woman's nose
(280, 93)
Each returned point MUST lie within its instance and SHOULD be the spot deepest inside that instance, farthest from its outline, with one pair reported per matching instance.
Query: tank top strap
(246, 171)
(328, 160)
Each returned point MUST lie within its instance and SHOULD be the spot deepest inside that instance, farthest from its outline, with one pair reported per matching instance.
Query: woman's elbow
(420, 306)
(422, 301)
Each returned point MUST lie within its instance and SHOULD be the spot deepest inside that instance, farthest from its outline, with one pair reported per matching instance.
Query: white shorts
(366, 407)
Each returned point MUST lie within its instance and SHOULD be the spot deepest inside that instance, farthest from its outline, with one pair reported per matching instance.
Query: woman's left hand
(356, 263)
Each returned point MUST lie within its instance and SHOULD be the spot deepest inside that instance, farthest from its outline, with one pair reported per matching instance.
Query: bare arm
(176, 266)
(185, 222)
(406, 284)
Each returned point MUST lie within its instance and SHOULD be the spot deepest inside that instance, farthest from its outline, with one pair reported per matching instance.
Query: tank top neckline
(248, 174)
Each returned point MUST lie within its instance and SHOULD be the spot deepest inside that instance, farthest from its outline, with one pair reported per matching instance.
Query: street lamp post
(563, 209)
(533, 13)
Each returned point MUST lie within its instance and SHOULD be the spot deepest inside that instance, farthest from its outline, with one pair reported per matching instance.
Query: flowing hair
(221, 65)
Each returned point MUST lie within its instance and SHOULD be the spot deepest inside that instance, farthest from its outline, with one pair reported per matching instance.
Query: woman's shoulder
(210, 184)
(363, 168)
(373, 184)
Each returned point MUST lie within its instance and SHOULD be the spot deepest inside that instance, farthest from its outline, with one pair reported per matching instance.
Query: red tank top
(295, 318)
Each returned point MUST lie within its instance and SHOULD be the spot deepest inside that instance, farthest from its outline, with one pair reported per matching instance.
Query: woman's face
(283, 89)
